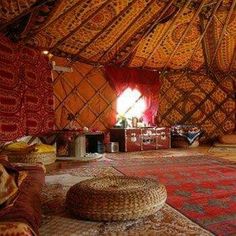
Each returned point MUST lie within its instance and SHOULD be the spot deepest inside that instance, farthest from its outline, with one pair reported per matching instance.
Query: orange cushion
(228, 139)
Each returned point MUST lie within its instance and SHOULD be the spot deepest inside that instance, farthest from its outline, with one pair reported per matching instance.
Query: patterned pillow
(8, 185)
(16, 146)
(20, 147)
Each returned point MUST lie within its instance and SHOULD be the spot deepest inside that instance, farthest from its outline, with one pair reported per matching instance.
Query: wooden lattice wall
(206, 100)
(84, 93)
(185, 98)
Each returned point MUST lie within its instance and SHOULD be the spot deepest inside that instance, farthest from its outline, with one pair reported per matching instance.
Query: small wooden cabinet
(138, 139)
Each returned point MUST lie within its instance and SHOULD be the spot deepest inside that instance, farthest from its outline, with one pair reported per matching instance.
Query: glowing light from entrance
(129, 104)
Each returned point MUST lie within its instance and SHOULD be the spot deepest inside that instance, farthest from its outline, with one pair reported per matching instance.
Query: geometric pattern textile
(198, 99)
(200, 187)
(147, 34)
(26, 97)
(11, 9)
(224, 60)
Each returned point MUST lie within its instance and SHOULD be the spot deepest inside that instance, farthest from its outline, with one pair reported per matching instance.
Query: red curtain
(147, 82)
(26, 92)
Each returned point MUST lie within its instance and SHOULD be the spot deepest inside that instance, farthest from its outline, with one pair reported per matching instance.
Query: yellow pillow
(7, 185)
(44, 148)
(17, 146)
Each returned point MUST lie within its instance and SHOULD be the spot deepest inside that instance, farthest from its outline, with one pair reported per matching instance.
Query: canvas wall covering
(26, 97)
(84, 95)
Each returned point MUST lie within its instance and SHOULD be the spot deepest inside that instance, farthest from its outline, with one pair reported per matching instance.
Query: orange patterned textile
(188, 98)
(223, 60)
(149, 34)
(12, 8)
(165, 46)
(26, 102)
(15, 228)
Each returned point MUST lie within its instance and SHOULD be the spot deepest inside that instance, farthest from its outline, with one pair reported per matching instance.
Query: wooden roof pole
(31, 9)
(221, 23)
(158, 43)
(28, 36)
(223, 32)
(204, 31)
(106, 27)
(126, 29)
(185, 33)
(232, 60)
(89, 17)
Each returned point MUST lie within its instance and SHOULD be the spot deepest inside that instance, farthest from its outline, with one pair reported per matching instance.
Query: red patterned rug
(201, 187)
(58, 221)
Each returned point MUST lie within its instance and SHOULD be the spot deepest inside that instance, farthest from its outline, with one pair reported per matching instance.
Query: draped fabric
(26, 92)
(145, 81)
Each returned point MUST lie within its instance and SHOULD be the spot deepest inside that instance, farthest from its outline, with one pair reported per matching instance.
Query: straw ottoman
(24, 153)
(115, 198)
(33, 157)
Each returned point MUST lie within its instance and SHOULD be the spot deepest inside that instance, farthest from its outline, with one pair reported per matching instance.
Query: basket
(33, 157)
(115, 198)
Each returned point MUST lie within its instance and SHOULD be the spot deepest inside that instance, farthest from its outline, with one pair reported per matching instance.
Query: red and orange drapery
(146, 81)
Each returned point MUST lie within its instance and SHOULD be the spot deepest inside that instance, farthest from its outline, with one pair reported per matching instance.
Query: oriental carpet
(57, 219)
(199, 186)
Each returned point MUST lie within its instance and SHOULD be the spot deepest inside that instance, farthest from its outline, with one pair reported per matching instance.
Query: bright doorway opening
(131, 103)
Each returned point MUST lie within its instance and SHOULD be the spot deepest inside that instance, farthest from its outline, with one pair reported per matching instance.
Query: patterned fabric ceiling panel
(165, 40)
(102, 20)
(228, 45)
(11, 9)
(160, 35)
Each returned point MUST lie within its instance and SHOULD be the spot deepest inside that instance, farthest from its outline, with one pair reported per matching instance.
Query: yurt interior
(117, 117)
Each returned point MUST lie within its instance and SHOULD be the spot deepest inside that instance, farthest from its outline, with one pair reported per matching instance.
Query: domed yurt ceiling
(149, 34)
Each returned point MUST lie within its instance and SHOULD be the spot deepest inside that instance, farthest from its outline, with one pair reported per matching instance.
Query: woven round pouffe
(115, 198)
